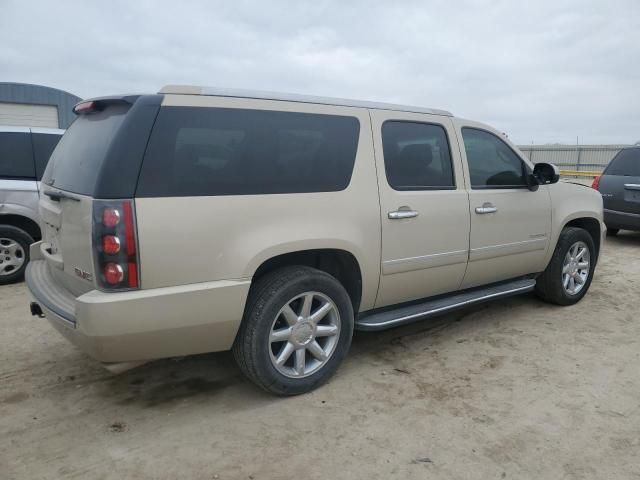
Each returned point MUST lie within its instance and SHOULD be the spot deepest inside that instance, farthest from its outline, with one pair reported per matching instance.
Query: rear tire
(612, 232)
(566, 263)
(14, 253)
(276, 309)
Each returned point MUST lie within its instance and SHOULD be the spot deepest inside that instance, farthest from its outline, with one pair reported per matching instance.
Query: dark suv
(619, 185)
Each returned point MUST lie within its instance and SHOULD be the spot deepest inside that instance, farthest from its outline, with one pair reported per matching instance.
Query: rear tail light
(115, 245)
(110, 217)
(113, 273)
(110, 244)
(596, 183)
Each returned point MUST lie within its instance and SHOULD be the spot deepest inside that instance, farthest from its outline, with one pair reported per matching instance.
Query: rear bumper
(144, 324)
(623, 220)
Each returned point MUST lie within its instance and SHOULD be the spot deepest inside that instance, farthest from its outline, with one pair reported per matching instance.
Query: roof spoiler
(100, 103)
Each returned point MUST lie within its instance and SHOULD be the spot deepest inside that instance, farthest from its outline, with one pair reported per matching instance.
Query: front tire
(570, 271)
(296, 330)
(14, 253)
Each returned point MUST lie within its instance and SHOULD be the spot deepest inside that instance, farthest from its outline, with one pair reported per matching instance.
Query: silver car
(24, 153)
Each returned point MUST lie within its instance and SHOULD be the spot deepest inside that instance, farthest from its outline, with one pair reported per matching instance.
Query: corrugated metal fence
(573, 157)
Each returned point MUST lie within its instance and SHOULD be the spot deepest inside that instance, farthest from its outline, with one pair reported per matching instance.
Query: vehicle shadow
(216, 377)
(196, 378)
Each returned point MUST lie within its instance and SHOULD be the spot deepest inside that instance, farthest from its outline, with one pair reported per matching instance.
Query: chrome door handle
(486, 208)
(632, 186)
(399, 214)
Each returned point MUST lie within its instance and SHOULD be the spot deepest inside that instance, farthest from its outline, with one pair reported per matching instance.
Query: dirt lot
(512, 389)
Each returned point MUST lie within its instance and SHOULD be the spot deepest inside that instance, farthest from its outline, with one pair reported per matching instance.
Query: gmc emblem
(82, 274)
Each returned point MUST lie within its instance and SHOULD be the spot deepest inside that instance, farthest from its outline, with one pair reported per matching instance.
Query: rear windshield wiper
(56, 195)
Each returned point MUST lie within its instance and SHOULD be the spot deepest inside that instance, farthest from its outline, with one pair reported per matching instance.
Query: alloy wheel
(575, 268)
(304, 334)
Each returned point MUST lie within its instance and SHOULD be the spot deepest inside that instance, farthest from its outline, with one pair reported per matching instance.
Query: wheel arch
(591, 225)
(341, 264)
(23, 223)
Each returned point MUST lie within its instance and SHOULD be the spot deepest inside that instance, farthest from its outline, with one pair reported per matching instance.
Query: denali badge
(82, 274)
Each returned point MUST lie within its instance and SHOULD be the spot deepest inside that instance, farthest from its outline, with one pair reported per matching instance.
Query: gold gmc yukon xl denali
(200, 219)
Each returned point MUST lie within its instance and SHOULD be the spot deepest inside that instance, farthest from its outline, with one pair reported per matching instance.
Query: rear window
(16, 157)
(43, 146)
(626, 162)
(217, 151)
(76, 162)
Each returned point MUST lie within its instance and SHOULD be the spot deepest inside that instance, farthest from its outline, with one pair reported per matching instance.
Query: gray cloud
(544, 72)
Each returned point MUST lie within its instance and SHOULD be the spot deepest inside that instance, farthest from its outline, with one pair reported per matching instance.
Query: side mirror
(532, 182)
(546, 173)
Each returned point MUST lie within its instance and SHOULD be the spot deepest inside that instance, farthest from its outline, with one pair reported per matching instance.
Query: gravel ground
(510, 389)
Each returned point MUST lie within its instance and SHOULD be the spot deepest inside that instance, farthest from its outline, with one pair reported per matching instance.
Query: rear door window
(626, 162)
(16, 156)
(43, 146)
(217, 151)
(417, 156)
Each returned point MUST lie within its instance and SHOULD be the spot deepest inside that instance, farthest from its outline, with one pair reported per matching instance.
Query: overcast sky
(549, 71)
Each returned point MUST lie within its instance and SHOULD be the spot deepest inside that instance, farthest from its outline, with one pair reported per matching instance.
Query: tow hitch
(36, 310)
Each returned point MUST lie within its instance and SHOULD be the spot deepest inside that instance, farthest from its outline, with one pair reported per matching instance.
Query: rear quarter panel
(187, 240)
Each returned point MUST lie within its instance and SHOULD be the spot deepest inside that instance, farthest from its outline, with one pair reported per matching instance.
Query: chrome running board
(381, 319)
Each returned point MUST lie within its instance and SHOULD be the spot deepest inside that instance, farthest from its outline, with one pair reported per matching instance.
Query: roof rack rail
(294, 97)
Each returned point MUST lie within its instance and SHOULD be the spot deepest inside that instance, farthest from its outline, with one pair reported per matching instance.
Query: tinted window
(416, 156)
(76, 162)
(16, 158)
(218, 151)
(43, 145)
(492, 163)
(626, 162)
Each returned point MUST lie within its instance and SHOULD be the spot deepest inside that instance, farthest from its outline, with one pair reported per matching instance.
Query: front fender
(572, 202)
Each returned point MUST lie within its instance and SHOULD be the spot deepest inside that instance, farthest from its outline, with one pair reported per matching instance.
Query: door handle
(402, 213)
(486, 208)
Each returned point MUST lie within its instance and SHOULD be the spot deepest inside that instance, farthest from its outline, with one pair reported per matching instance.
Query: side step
(382, 319)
